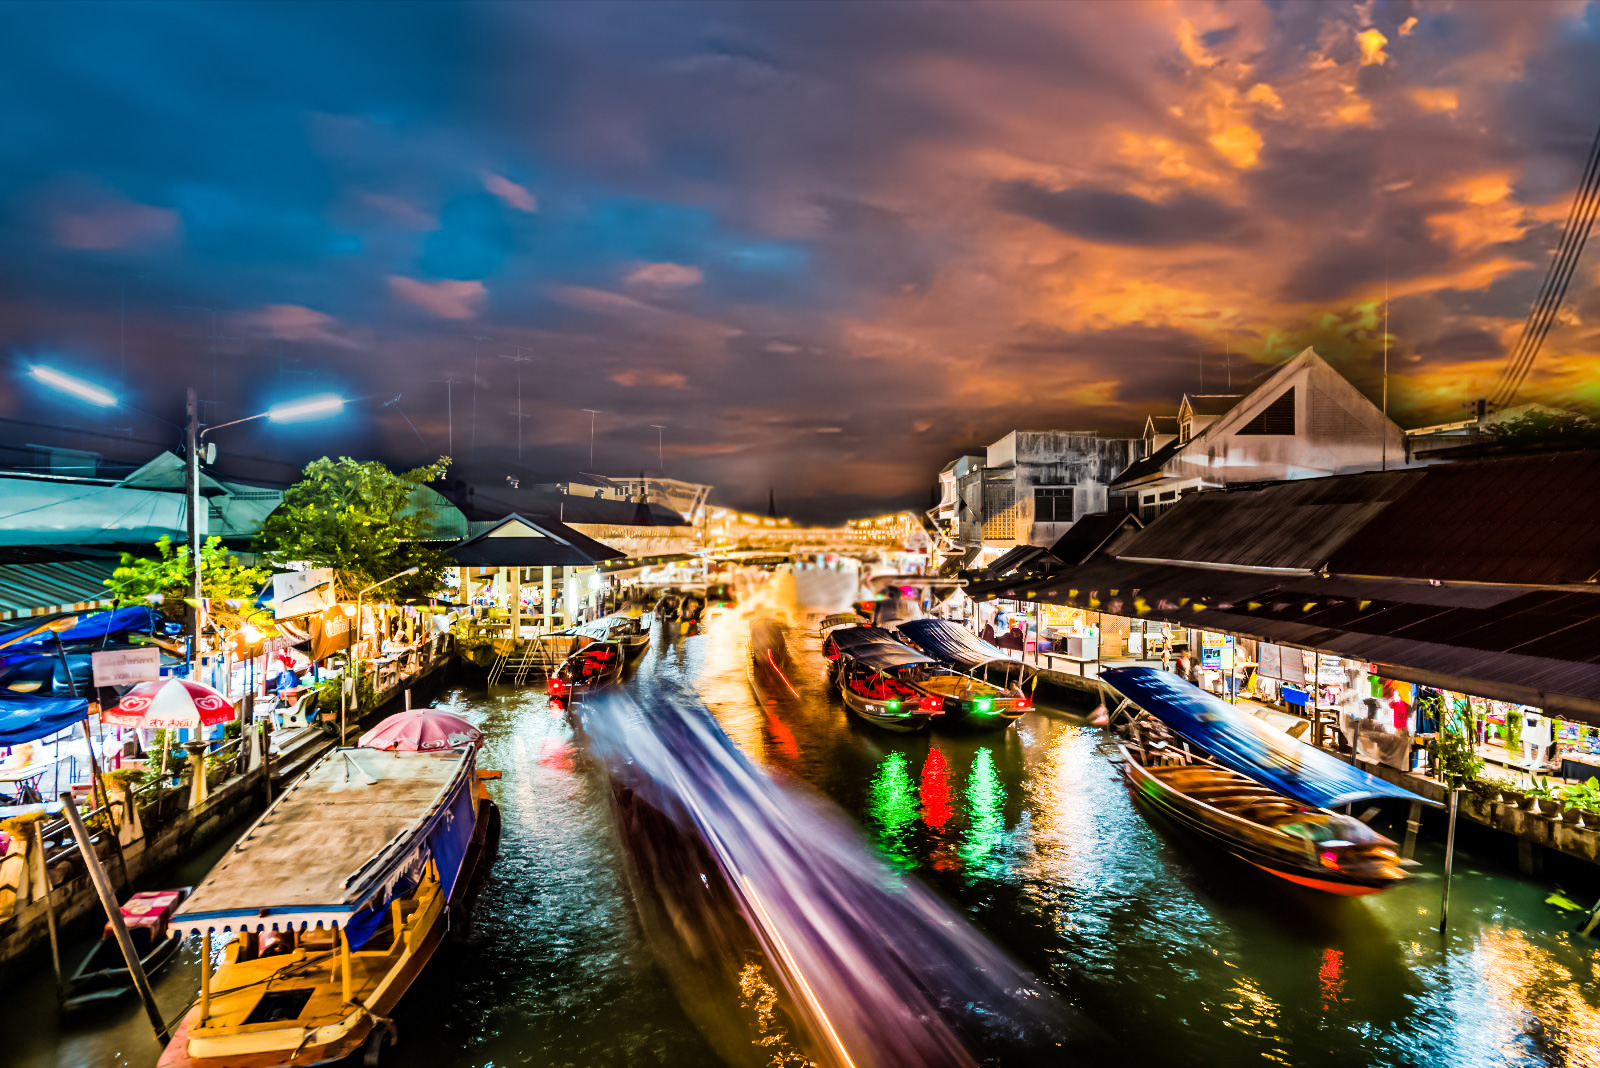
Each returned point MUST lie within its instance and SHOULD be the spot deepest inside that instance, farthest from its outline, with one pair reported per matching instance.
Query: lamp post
(314, 407)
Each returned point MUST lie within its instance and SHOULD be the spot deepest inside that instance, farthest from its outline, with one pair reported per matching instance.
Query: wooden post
(1449, 860)
(205, 976)
(102, 887)
(1413, 825)
(346, 985)
(546, 604)
(49, 900)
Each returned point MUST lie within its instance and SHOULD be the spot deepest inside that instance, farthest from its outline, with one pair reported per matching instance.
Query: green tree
(229, 586)
(359, 519)
(1538, 430)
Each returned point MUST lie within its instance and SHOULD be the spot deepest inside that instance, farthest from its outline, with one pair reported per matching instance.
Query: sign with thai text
(124, 667)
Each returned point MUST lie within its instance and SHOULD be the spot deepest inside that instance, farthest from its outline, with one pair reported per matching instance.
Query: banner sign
(299, 593)
(124, 667)
(331, 632)
(1269, 661)
(1212, 647)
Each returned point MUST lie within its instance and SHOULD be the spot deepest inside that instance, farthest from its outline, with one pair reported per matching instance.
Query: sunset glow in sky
(827, 246)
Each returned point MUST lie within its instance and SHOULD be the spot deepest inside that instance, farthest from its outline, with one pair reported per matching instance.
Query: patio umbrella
(421, 729)
(169, 704)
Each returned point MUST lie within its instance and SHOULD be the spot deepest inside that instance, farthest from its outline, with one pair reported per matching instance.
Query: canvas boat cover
(951, 643)
(1240, 742)
(351, 834)
(876, 648)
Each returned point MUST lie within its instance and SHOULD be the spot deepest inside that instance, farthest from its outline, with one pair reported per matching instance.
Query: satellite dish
(210, 454)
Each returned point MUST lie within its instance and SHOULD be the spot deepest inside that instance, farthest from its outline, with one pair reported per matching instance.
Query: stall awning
(1244, 744)
(58, 586)
(25, 718)
(1529, 646)
(92, 626)
(876, 648)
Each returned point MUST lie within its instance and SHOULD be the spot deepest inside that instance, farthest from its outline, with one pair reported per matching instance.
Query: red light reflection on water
(1331, 976)
(936, 790)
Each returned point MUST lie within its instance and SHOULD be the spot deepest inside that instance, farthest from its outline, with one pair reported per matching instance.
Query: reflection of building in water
(1539, 999)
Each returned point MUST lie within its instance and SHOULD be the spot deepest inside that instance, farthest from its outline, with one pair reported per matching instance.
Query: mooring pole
(102, 887)
(49, 902)
(1449, 860)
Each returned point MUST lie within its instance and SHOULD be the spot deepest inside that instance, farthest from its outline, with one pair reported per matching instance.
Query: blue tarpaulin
(1242, 743)
(25, 718)
(951, 643)
(90, 626)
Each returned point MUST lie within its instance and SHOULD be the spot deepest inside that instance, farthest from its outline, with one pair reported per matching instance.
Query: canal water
(1183, 958)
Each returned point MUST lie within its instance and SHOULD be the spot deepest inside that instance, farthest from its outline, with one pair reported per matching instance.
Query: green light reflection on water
(986, 829)
(893, 808)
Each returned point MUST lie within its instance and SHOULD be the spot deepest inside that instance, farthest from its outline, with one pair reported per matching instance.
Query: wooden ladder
(499, 668)
(534, 658)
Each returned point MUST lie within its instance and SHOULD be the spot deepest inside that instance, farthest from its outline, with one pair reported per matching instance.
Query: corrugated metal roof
(1150, 465)
(1090, 534)
(1538, 647)
(1296, 525)
(62, 586)
(1528, 519)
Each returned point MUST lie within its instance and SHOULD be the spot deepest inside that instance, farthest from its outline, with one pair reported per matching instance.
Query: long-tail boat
(960, 699)
(964, 653)
(1261, 795)
(331, 906)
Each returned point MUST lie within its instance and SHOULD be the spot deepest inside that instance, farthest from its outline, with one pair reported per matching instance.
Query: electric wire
(1541, 316)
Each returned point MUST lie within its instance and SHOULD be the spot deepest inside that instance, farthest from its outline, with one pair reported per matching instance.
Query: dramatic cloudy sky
(825, 246)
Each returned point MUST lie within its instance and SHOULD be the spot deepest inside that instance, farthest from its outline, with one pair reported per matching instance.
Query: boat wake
(763, 901)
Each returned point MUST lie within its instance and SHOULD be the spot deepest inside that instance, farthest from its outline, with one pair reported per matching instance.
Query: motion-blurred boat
(786, 940)
(1264, 797)
(336, 899)
(103, 975)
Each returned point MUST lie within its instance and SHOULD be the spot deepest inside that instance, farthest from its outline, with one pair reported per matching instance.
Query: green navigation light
(892, 706)
(984, 705)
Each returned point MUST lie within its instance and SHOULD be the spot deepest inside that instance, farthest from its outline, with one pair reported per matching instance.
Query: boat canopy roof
(951, 643)
(1244, 744)
(876, 648)
(351, 832)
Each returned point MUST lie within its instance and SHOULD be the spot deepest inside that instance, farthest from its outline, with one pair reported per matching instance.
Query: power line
(1542, 314)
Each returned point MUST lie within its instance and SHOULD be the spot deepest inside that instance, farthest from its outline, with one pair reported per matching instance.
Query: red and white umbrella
(421, 730)
(170, 704)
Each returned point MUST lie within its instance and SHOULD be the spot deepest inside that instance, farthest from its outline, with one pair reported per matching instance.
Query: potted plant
(1581, 800)
(1542, 798)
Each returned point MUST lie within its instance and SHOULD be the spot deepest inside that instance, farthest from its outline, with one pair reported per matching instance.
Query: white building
(1034, 484)
(1303, 421)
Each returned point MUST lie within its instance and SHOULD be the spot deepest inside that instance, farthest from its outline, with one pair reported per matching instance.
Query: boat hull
(1236, 837)
(349, 1039)
(873, 711)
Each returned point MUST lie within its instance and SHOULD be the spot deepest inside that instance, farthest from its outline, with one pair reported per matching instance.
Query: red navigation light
(931, 704)
(1329, 860)
(1023, 704)
(553, 687)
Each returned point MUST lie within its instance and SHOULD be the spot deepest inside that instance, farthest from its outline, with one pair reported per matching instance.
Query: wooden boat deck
(1229, 792)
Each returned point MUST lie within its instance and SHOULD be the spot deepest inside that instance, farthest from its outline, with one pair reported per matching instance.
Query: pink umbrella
(170, 704)
(421, 729)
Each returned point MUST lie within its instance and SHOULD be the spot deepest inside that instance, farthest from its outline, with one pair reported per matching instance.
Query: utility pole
(592, 413)
(661, 462)
(191, 485)
(477, 351)
(450, 414)
(519, 359)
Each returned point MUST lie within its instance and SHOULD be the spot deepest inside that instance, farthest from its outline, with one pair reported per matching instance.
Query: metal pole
(1449, 860)
(49, 902)
(191, 485)
(102, 887)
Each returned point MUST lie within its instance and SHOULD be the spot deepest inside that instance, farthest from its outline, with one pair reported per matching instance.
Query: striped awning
(59, 586)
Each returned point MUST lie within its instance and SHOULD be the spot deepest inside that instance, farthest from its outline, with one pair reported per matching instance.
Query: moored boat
(622, 630)
(1262, 796)
(964, 653)
(871, 670)
(332, 905)
(596, 665)
(103, 974)
(958, 699)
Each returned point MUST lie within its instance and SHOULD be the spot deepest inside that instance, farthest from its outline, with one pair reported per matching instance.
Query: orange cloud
(510, 192)
(665, 275)
(649, 376)
(293, 322)
(447, 299)
(1372, 43)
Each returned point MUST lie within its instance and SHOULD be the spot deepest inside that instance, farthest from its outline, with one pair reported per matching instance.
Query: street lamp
(314, 407)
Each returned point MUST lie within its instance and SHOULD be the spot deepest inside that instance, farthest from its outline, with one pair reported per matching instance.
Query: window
(1276, 419)
(1169, 495)
(1052, 504)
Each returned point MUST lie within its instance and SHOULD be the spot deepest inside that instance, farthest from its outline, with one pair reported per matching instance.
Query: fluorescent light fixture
(77, 387)
(315, 407)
